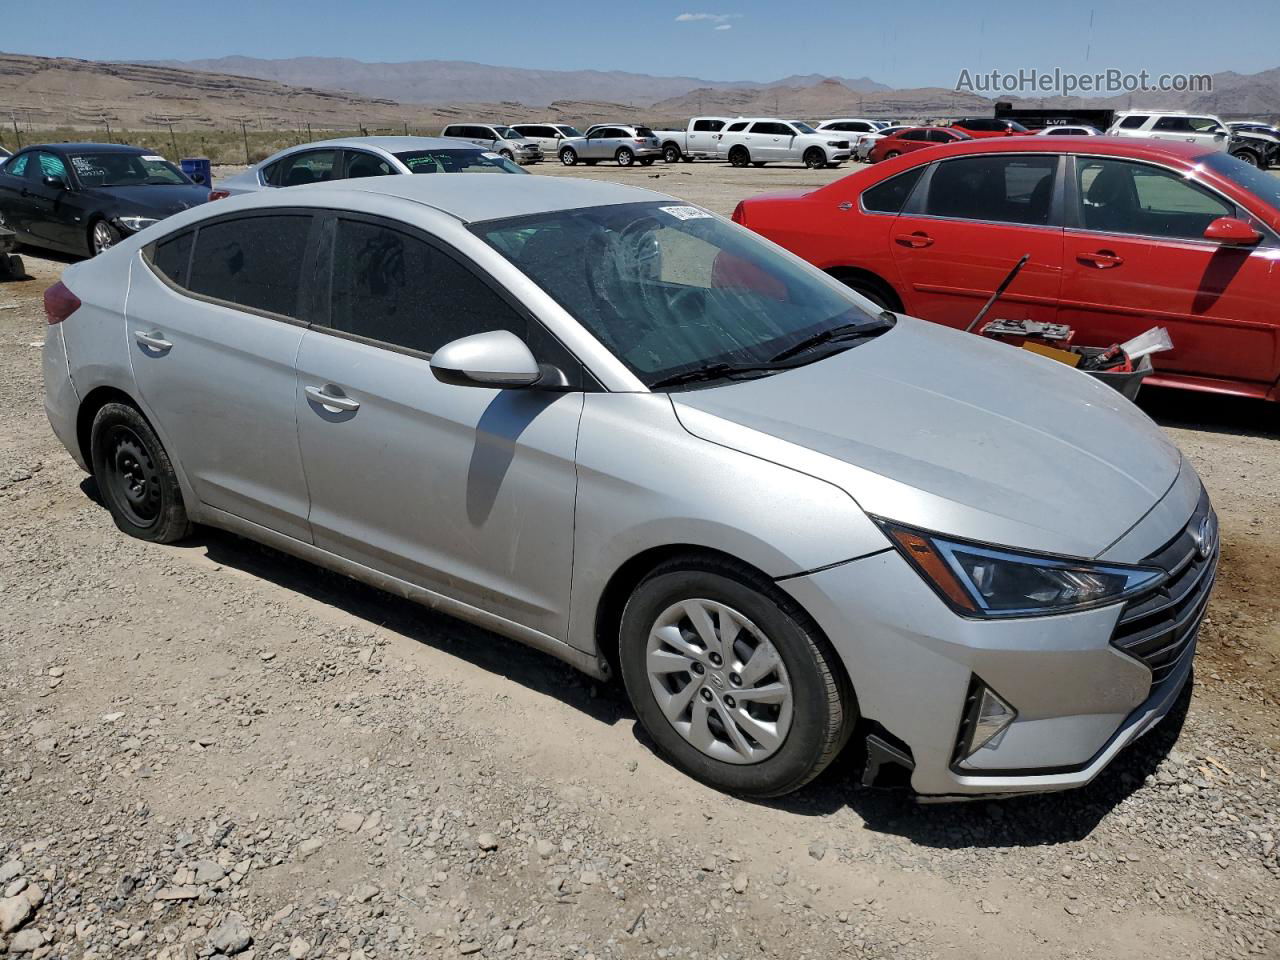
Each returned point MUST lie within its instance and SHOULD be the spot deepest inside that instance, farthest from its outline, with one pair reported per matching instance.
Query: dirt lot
(214, 750)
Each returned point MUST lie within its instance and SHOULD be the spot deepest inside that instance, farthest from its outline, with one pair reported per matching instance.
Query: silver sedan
(636, 436)
(353, 158)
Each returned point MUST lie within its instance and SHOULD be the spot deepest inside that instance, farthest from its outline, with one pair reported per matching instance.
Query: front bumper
(912, 662)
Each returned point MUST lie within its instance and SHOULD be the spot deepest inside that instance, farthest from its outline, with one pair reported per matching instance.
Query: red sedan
(1123, 235)
(979, 127)
(912, 139)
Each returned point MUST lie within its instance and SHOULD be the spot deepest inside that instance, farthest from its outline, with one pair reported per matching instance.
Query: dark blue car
(82, 197)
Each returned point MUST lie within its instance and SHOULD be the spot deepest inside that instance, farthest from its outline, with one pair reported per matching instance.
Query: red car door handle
(1102, 259)
(917, 239)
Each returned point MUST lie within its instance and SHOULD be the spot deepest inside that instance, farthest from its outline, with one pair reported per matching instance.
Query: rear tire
(568, 156)
(135, 476)
(647, 162)
(624, 157)
(739, 157)
(765, 745)
(891, 154)
(874, 290)
(671, 154)
(757, 163)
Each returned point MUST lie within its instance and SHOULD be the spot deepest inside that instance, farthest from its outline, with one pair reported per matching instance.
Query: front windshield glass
(568, 131)
(670, 288)
(802, 126)
(457, 161)
(125, 170)
(1261, 184)
(506, 133)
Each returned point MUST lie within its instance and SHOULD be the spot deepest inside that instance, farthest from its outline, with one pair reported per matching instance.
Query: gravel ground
(212, 750)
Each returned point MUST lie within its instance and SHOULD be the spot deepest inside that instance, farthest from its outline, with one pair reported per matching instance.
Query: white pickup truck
(761, 140)
(696, 141)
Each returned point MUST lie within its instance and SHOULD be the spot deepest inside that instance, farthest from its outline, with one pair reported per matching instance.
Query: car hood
(953, 433)
(155, 200)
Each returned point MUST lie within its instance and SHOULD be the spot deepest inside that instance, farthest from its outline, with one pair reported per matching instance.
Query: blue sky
(925, 43)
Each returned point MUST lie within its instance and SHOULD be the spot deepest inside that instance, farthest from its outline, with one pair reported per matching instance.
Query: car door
(702, 137)
(769, 141)
(1136, 257)
(465, 491)
(58, 212)
(214, 321)
(15, 195)
(966, 225)
(1199, 130)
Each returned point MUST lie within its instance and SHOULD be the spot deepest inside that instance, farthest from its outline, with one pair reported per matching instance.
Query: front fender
(644, 482)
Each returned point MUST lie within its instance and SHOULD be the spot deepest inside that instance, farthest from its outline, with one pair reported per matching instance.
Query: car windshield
(568, 131)
(457, 161)
(507, 133)
(1261, 184)
(671, 289)
(125, 170)
(802, 126)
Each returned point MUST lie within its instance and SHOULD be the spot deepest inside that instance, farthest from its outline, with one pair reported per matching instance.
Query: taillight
(219, 194)
(740, 213)
(641, 140)
(59, 303)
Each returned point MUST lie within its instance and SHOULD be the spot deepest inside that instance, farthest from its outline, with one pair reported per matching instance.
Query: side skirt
(587, 663)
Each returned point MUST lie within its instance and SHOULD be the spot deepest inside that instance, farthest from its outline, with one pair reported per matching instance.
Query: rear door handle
(153, 341)
(917, 239)
(336, 401)
(1102, 259)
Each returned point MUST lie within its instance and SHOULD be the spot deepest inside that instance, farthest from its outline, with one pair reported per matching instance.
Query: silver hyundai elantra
(623, 430)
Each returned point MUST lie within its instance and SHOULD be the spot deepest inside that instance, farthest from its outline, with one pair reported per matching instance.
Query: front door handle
(336, 401)
(1102, 259)
(917, 239)
(152, 341)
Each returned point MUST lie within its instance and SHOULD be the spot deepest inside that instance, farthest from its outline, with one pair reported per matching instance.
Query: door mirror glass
(1232, 232)
(496, 359)
(56, 183)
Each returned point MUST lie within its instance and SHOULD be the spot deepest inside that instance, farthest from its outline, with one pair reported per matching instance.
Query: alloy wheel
(719, 681)
(103, 238)
(671, 154)
(625, 157)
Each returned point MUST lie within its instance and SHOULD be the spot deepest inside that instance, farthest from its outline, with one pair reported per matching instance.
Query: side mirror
(496, 359)
(57, 183)
(1232, 232)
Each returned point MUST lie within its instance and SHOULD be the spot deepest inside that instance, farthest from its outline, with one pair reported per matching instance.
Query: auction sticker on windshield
(152, 156)
(686, 213)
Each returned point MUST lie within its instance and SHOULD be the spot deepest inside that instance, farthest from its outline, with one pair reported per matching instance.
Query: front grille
(1159, 627)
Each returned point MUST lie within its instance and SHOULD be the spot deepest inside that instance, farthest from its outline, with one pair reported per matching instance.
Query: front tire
(1248, 157)
(568, 156)
(814, 158)
(508, 155)
(732, 680)
(102, 237)
(624, 157)
(135, 476)
(739, 157)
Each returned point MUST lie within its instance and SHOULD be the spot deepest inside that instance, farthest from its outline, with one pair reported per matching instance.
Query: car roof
(1120, 146)
(389, 144)
(475, 197)
(95, 147)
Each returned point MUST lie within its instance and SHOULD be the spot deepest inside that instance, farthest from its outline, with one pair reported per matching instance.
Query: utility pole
(16, 132)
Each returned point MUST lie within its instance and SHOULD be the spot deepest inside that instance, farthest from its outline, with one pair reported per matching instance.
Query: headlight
(134, 224)
(982, 581)
(833, 143)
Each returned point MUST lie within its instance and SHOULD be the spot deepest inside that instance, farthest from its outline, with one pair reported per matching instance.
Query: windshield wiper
(712, 371)
(845, 331)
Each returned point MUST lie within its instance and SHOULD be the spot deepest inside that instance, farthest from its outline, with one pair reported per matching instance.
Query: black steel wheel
(135, 476)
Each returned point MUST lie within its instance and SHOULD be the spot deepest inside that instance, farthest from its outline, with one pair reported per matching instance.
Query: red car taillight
(740, 213)
(59, 303)
(219, 194)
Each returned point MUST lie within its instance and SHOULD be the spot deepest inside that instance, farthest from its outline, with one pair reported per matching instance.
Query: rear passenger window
(253, 262)
(399, 290)
(737, 127)
(309, 166)
(172, 256)
(889, 196)
(1007, 189)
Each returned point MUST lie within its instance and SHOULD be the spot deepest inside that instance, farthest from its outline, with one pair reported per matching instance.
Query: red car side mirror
(1232, 232)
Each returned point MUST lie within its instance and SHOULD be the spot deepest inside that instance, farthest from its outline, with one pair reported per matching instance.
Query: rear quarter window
(891, 195)
(171, 257)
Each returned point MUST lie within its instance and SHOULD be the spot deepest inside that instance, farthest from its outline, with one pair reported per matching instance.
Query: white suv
(761, 140)
(1204, 129)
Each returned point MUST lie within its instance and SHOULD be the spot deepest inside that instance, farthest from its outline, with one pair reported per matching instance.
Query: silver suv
(612, 141)
(498, 137)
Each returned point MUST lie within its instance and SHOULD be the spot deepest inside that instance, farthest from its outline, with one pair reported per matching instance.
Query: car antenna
(1004, 285)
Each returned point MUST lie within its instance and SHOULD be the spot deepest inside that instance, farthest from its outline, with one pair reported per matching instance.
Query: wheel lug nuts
(698, 668)
(735, 679)
(706, 694)
(730, 702)
(715, 659)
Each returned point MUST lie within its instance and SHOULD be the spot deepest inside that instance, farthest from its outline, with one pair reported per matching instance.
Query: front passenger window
(1119, 196)
(396, 289)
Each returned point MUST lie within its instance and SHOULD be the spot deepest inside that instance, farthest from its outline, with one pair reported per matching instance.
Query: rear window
(643, 132)
(889, 196)
(254, 262)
